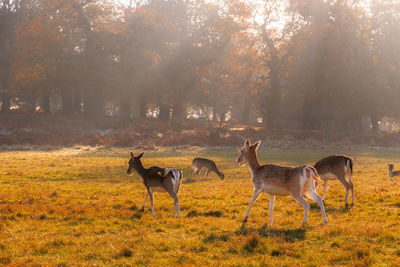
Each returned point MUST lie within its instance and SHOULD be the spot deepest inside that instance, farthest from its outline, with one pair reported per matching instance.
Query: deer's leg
(352, 191)
(344, 182)
(271, 208)
(207, 172)
(144, 203)
(314, 196)
(176, 202)
(195, 169)
(150, 193)
(177, 207)
(351, 186)
(300, 199)
(325, 187)
(256, 193)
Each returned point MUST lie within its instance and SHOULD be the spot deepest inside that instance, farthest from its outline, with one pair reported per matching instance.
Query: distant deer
(280, 181)
(391, 172)
(336, 167)
(209, 165)
(157, 179)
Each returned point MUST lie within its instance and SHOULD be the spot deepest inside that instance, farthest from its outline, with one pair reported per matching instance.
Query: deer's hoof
(245, 220)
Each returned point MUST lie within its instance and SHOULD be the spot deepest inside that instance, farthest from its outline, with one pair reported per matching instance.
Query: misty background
(100, 71)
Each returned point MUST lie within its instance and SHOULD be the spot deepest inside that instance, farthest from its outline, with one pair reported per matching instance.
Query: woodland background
(169, 72)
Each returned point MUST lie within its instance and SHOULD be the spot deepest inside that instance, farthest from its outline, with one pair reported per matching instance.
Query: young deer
(391, 172)
(209, 165)
(157, 179)
(280, 181)
(336, 167)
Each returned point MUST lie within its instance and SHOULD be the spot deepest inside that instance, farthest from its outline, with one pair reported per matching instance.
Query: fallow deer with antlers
(157, 179)
(280, 181)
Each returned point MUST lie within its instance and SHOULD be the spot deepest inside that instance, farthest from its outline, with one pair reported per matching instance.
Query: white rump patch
(303, 177)
(176, 177)
(347, 171)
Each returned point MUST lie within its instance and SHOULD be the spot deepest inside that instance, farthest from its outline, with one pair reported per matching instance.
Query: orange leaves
(240, 9)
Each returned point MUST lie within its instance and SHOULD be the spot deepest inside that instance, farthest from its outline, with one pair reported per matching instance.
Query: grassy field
(78, 206)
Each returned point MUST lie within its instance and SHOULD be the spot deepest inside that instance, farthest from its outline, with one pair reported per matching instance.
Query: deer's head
(134, 163)
(248, 152)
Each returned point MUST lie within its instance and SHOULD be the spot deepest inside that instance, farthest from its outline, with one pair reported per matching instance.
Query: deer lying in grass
(280, 181)
(391, 172)
(336, 167)
(209, 165)
(157, 179)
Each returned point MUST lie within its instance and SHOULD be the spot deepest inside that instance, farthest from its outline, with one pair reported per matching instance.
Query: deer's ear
(256, 144)
(132, 156)
(247, 143)
(141, 155)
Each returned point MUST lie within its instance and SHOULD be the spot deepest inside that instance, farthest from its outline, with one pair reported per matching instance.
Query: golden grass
(79, 207)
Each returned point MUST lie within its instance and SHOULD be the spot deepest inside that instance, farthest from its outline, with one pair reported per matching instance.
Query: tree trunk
(46, 101)
(274, 106)
(177, 116)
(66, 96)
(374, 122)
(76, 103)
(143, 108)
(274, 100)
(307, 112)
(93, 103)
(6, 103)
(164, 112)
(246, 112)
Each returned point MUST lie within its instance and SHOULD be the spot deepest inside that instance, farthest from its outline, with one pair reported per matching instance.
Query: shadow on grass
(189, 181)
(340, 209)
(195, 180)
(289, 235)
(214, 213)
(137, 213)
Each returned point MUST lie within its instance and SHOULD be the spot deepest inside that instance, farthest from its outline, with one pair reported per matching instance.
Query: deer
(391, 172)
(338, 167)
(278, 180)
(157, 179)
(209, 165)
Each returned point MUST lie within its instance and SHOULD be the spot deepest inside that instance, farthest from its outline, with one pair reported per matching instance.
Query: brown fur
(280, 181)
(209, 165)
(391, 172)
(336, 167)
(154, 182)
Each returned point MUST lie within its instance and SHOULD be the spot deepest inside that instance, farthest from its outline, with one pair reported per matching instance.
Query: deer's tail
(311, 170)
(349, 165)
(176, 177)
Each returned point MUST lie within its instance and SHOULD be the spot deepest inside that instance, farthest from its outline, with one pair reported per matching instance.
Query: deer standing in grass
(391, 172)
(209, 165)
(336, 167)
(157, 179)
(280, 181)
